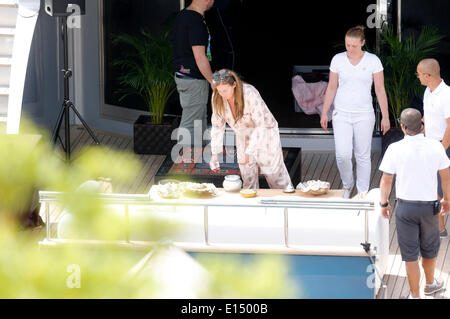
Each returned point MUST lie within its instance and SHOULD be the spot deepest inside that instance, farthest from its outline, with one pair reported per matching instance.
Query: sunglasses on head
(220, 77)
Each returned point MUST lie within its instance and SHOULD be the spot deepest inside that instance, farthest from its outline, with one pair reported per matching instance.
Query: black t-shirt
(190, 30)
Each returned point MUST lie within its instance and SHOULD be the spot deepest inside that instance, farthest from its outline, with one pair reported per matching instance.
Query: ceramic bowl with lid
(232, 183)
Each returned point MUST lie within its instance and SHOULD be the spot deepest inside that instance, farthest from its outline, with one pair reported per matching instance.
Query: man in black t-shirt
(192, 56)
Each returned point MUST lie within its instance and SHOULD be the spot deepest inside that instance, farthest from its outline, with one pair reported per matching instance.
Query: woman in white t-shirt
(350, 87)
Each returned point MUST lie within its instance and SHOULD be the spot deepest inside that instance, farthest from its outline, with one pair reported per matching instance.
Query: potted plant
(400, 59)
(147, 64)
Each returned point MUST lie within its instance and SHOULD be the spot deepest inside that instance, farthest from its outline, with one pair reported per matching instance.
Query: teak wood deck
(315, 165)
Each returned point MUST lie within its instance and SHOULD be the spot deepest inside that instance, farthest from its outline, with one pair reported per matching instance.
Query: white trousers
(353, 131)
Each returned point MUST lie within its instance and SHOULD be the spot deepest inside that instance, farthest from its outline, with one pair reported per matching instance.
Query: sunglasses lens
(221, 77)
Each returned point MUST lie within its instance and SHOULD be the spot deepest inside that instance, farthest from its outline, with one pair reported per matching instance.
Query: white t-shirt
(415, 160)
(436, 110)
(354, 93)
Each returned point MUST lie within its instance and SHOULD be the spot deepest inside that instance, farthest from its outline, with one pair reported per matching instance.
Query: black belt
(420, 202)
(184, 76)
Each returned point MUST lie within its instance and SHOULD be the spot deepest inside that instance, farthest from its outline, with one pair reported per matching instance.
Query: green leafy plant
(400, 59)
(147, 64)
(74, 271)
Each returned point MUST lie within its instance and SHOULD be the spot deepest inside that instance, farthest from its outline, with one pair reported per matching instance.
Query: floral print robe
(258, 136)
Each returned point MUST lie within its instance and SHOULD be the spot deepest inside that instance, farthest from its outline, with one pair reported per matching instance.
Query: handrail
(319, 250)
(124, 199)
(145, 199)
(46, 197)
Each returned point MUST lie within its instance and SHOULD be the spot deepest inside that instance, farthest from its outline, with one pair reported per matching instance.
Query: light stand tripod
(67, 104)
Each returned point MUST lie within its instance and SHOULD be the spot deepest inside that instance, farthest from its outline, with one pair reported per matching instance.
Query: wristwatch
(385, 204)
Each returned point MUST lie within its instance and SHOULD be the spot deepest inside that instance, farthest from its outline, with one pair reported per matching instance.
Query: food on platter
(170, 189)
(248, 193)
(199, 189)
(314, 187)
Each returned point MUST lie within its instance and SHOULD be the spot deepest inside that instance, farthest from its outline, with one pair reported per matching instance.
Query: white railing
(127, 200)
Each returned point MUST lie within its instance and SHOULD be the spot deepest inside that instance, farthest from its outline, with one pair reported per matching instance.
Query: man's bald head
(430, 66)
(412, 120)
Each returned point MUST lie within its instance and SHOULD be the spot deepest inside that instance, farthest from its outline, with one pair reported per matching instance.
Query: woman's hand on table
(214, 163)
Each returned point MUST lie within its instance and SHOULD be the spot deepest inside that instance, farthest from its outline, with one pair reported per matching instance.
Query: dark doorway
(130, 17)
(416, 14)
(265, 39)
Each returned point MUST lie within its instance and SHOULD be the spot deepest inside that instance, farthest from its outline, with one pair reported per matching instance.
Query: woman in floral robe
(257, 137)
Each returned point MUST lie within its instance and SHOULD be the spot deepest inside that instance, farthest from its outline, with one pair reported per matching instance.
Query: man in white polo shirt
(436, 112)
(415, 161)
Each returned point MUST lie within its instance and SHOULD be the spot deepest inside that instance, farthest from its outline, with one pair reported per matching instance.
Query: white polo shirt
(415, 160)
(436, 110)
(354, 93)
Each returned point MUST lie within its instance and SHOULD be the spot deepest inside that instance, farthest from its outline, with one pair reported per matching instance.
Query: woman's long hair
(229, 77)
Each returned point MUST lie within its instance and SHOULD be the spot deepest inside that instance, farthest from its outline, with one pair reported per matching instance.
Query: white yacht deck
(315, 165)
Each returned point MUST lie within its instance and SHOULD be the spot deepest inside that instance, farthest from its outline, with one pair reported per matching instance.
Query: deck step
(5, 73)
(5, 60)
(6, 45)
(4, 90)
(8, 3)
(8, 15)
(7, 31)
(3, 105)
(4, 94)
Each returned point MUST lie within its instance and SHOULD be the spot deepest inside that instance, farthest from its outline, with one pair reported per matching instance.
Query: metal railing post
(206, 224)
(286, 227)
(127, 223)
(366, 226)
(47, 220)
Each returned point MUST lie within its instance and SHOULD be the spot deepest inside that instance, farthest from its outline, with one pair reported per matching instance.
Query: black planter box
(395, 134)
(151, 138)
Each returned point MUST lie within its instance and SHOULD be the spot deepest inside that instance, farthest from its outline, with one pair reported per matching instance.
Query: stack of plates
(170, 189)
(314, 187)
(199, 189)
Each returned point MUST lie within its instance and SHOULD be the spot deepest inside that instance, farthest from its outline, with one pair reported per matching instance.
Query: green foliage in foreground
(72, 271)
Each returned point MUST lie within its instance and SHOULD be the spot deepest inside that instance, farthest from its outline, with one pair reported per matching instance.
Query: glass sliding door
(129, 16)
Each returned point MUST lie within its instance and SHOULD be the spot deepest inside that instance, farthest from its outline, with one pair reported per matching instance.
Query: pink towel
(310, 96)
